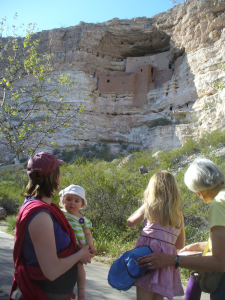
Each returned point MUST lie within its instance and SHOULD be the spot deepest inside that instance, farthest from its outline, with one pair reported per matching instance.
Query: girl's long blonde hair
(162, 200)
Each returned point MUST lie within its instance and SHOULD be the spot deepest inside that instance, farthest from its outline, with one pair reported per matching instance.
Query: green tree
(33, 102)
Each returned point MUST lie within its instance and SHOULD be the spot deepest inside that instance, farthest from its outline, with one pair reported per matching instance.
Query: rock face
(185, 47)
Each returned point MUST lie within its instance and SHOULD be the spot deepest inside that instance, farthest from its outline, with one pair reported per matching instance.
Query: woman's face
(205, 196)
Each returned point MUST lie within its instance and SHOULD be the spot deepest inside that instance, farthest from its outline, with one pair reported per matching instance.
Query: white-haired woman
(205, 179)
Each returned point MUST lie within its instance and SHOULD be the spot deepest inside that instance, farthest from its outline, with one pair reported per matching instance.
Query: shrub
(10, 205)
(11, 223)
(159, 122)
(112, 193)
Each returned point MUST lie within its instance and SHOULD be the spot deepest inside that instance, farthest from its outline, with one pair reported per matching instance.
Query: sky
(50, 14)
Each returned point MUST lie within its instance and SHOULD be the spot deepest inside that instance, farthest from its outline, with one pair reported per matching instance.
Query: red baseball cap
(43, 162)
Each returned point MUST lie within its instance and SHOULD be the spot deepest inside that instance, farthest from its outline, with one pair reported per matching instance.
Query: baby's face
(72, 203)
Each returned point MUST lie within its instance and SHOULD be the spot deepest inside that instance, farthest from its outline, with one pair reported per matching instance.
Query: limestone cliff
(185, 45)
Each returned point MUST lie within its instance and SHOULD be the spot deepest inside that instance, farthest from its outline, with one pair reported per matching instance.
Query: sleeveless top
(61, 238)
(29, 278)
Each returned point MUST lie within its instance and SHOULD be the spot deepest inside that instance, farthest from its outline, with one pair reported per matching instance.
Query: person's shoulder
(40, 213)
(219, 201)
(218, 204)
(220, 198)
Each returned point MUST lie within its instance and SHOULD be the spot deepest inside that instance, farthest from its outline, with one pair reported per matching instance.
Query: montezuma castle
(151, 80)
(142, 74)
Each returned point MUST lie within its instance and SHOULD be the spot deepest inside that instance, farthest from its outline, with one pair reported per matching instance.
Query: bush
(112, 193)
(12, 185)
(11, 223)
(159, 122)
(10, 205)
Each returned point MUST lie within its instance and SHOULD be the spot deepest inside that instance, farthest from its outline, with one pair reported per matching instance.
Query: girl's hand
(194, 247)
(156, 261)
(188, 248)
(86, 255)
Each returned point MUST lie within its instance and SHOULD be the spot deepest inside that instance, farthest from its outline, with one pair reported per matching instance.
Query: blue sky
(49, 14)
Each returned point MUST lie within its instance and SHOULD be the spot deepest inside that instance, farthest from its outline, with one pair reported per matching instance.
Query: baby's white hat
(76, 190)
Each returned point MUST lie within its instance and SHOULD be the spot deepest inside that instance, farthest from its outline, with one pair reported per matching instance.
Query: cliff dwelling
(142, 74)
(149, 82)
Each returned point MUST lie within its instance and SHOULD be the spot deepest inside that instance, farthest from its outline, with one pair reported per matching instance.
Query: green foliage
(159, 122)
(97, 150)
(213, 139)
(108, 189)
(30, 91)
(184, 274)
(117, 246)
(12, 185)
(137, 159)
(11, 223)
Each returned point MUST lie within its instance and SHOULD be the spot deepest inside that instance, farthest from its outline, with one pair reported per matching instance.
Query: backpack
(125, 270)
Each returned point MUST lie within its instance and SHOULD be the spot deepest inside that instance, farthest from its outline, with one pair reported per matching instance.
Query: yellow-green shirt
(217, 213)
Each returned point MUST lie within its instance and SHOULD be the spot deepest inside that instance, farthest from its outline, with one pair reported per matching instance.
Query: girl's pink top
(164, 281)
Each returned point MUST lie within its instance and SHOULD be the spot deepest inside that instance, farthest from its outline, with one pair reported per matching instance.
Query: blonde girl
(163, 231)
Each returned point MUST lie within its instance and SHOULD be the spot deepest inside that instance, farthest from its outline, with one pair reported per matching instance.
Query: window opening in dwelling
(152, 72)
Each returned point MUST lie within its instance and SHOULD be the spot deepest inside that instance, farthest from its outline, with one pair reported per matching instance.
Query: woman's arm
(216, 262)
(42, 236)
(136, 217)
(89, 239)
(181, 238)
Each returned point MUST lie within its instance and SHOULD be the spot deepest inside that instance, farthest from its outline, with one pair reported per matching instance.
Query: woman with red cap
(44, 255)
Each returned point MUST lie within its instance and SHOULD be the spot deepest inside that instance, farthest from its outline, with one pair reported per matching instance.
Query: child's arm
(89, 240)
(136, 217)
(180, 243)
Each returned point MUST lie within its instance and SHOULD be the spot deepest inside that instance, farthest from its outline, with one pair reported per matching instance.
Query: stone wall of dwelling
(160, 61)
(162, 77)
(120, 74)
(145, 77)
(120, 84)
(138, 83)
